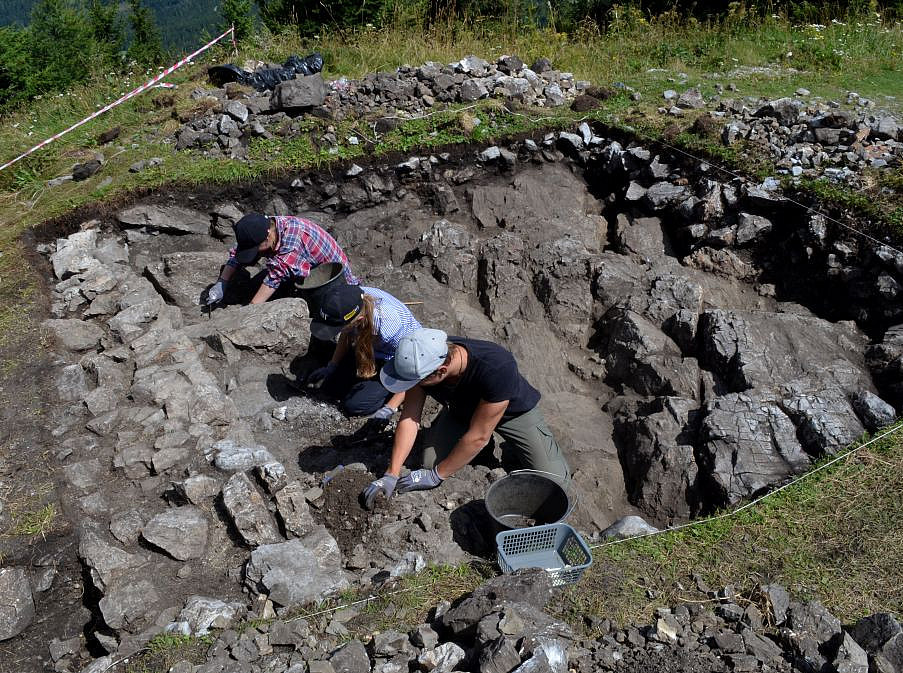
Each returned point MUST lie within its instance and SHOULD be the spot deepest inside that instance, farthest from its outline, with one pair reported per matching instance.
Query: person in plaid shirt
(292, 246)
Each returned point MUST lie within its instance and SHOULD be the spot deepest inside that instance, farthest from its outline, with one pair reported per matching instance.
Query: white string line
(371, 597)
(752, 503)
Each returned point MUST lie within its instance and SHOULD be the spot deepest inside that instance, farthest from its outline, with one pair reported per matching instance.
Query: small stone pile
(804, 136)
(237, 114)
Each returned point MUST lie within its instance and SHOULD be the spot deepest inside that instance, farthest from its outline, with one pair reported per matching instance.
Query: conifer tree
(60, 45)
(147, 46)
(238, 13)
(106, 27)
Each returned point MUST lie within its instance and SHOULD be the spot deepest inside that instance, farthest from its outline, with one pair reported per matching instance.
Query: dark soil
(343, 513)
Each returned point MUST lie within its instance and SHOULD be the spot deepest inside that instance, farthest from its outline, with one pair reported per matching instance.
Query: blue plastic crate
(557, 548)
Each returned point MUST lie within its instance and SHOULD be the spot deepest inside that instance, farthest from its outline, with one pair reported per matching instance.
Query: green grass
(167, 649)
(827, 537)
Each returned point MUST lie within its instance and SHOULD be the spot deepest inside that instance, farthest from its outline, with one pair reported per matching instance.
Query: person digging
(369, 324)
(292, 247)
(481, 391)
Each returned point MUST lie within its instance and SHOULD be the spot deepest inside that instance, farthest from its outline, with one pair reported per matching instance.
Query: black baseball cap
(338, 306)
(250, 232)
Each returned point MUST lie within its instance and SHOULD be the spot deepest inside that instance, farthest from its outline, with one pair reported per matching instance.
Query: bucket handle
(566, 485)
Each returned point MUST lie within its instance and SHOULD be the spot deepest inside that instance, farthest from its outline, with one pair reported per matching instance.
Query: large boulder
(280, 327)
(165, 219)
(248, 511)
(181, 532)
(181, 277)
(299, 94)
(74, 254)
(106, 562)
(75, 335)
(747, 443)
(656, 449)
(298, 571)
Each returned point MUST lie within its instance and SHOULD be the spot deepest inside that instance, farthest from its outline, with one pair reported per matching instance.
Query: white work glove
(383, 414)
(216, 292)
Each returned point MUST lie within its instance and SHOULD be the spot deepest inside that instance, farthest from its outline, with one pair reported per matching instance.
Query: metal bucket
(321, 277)
(530, 498)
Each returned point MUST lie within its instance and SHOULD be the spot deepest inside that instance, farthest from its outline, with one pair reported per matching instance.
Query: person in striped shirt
(369, 323)
(292, 246)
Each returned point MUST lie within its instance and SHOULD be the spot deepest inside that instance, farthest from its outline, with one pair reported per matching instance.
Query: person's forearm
(405, 434)
(396, 400)
(227, 273)
(465, 451)
(341, 348)
(264, 293)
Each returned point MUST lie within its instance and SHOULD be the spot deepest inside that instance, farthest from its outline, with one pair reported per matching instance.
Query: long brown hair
(363, 342)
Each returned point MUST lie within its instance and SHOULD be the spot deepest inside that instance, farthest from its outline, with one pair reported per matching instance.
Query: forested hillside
(182, 22)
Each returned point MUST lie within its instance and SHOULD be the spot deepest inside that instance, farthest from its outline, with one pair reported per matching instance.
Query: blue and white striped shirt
(392, 321)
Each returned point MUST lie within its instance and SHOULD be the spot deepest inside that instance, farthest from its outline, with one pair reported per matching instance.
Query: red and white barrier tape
(131, 94)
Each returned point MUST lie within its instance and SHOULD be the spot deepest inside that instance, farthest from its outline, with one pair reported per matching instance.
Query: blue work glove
(383, 414)
(321, 373)
(216, 292)
(385, 485)
(419, 480)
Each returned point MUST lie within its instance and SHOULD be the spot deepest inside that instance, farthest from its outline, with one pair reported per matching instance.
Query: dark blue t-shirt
(491, 375)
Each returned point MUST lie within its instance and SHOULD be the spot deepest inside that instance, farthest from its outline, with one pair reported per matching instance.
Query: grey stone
(181, 277)
(299, 93)
(691, 99)
(850, 658)
(424, 636)
(74, 254)
(84, 475)
(70, 383)
(86, 170)
(298, 571)
(237, 110)
(126, 526)
(75, 335)
(127, 603)
(442, 659)
(813, 620)
(664, 194)
(874, 412)
(629, 526)
(181, 532)
(106, 562)
(389, 643)
(199, 488)
(165, 219)
(499, 656)
(490, 154)
(248, 511)
(875, 631)
(17, 609)
(751, 228)
(202, 614)
(294, 511)
(229, 456)
(280, 327)
(350, 658)
(785, 110)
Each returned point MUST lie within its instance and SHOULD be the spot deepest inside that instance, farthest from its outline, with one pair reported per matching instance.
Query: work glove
(216, 292)
(419, 480)
(321, 373)
(383, 414)
(385, 485)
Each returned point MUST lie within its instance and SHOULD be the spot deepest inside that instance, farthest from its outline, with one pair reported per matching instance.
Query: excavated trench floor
(680, 368)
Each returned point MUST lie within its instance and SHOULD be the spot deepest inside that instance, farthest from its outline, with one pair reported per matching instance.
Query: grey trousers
(527, 436)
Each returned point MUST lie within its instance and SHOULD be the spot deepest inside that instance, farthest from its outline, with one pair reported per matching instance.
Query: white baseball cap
(417, 356)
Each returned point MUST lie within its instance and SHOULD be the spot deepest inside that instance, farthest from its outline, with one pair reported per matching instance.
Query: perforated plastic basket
(557, 548)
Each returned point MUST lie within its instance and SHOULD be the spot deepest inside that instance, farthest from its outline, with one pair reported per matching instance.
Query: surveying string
(131, 94)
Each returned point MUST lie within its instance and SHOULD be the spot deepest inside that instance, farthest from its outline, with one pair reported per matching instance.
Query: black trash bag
(266, 78)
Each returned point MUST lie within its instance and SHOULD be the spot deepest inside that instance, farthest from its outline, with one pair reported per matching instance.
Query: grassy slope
(826, 538)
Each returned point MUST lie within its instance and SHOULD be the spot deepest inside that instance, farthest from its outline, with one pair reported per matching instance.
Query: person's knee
(364, 400)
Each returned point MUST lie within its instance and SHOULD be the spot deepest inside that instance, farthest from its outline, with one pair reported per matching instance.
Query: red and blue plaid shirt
(302, 245)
